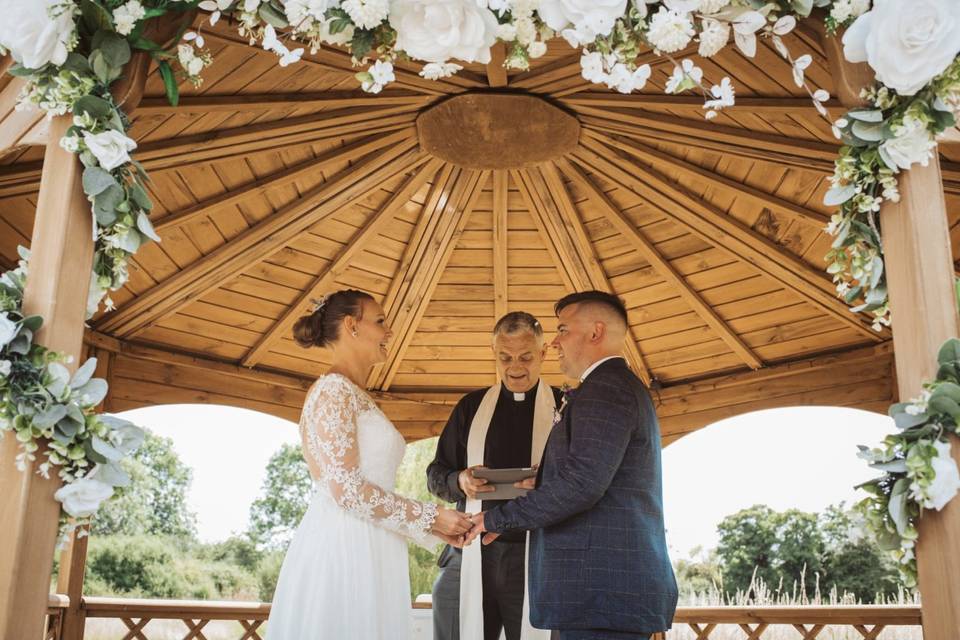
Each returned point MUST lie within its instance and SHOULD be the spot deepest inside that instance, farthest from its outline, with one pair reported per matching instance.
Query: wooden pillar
(920, 280)
(73, 564)
(57, 285)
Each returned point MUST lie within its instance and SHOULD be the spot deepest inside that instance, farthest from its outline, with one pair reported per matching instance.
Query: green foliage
(284, 499)
(155, 502)
(700, 573)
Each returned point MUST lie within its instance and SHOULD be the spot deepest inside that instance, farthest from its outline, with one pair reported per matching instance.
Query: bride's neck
(356, 372)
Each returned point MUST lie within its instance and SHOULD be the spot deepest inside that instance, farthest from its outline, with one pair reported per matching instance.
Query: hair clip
(318, 304)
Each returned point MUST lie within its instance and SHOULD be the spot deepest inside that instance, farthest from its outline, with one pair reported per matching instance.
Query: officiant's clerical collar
(519, 396)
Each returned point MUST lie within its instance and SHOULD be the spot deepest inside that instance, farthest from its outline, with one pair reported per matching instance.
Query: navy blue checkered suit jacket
(598, 552)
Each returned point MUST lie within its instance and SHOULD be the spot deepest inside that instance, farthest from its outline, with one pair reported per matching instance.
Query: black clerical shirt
(508, 445)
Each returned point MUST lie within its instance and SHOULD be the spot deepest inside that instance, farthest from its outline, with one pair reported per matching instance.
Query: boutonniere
(568, 392)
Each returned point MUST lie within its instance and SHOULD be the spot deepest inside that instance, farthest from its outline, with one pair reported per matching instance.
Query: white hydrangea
(591, 67)
(301, 12)
(913, 143)
(526, 30)
(843, 10)
(439, 70)
(714, 36)
(712, 6)
(670, 30)
(125, 17)
(366, 14)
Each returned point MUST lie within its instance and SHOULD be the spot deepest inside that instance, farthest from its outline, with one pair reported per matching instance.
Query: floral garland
(70, 51)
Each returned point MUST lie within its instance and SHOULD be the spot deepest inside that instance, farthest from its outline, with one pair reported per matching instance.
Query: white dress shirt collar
(596, 364)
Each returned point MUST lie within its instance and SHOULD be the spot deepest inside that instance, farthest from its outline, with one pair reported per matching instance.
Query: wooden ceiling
(274, 185)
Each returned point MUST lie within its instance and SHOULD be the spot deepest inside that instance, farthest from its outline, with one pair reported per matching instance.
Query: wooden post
(73, 564)
(920, 280)
(57, 285)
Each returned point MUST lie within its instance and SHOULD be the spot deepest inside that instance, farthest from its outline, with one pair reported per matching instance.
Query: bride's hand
(450, 522)
(454, 541)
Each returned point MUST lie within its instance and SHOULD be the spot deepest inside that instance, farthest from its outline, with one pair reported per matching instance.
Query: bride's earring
(354, 334)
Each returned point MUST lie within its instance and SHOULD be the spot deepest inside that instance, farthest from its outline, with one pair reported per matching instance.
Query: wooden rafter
(773, 202)
(252, 103)
(260, 240)
(564, 229)
(720, 230)
(312, 166)
(661, 265)
(756, 105)
(496, 72)
(341, 262)
(453, 210)
(501, 298)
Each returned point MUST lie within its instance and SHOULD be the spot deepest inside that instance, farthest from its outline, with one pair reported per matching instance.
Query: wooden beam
(454, 207)
(73, 562)
(342, 261)
(496, 72)
(260, 240)
(258, 102)
(754, 104)
(722, 231)
(661, 265)
(62, 258)
(566, 231)
(16, 126)
(501, 298)
(773, 202)
(348, 152)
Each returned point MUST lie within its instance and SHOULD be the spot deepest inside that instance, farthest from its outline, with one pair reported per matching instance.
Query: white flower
(379, 75)
(111, 148)
(684, 77)
(125, 17)
(713, 37)
(300, 12)
(723, 95)
(537, 49)
(712, 6)
(189, 60)
(624, 80)
(437, 30)
(215, 7)
(906, 43)
(439, 70)
(8, 330)
(366, 14)
(507, 32)
(591, 67)
(38, 32)
(526, 30)
(913, 143)
(70, 143)
(946, 482)
(83, 497)
(591, 18)
(5, 367)
(843, 10)
(670, 30)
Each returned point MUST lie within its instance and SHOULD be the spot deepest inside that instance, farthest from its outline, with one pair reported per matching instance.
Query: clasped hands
(460, 529)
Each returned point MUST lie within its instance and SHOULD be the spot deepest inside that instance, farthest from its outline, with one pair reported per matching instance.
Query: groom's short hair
(517, 321)
(601, 298)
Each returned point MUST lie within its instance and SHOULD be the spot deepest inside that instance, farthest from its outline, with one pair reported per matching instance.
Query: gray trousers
(504, 577)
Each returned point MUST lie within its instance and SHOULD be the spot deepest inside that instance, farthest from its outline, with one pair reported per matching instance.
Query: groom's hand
(528, 483)
(472, 486)
(478, 528)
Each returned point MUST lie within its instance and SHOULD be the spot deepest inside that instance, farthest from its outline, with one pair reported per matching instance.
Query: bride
(345, 574)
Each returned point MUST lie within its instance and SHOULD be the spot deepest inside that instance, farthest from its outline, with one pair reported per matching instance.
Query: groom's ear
(599, 332)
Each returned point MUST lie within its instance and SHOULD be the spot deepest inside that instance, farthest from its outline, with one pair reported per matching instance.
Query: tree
(853, 562)
(700, 574)
(285, 496)
(155, 502)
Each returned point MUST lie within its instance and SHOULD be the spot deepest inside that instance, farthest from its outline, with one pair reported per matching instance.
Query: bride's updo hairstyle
(321, 327)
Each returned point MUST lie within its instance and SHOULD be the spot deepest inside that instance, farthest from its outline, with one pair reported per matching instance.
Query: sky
(803, 457)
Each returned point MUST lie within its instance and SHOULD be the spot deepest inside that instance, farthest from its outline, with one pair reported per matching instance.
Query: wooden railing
(809, 621)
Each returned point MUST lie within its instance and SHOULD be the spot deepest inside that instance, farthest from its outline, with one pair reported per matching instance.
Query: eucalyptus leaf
(273, 16)
(866, 115)
(49, 417)
(97, 180)
(59, 379)
(94, 106)
(101, 68)
(19, 345)
(130, 241)
(115, 49)
(867, 131)
(83, 374)
(944, 404)
(140, 196)
(898, 505)
(908, 420)
(838, 195)
(146, 228)
(130, 438)
(949, 352)
(93, 392)
(876, 296)
(894, 466)
(68, 428)
(74, 413)
(105, 204)
(76, 63)
(888, 540)
(95, 17)
(33, 322)
(92, 454)
(112, 474)
(105, 449)
(802, 7)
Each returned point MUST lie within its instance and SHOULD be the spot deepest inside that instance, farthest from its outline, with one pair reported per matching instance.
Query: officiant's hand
(528, 483)
(450, 522)
(478, 528)
(473, 486)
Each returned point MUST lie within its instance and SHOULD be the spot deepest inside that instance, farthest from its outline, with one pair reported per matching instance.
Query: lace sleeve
(330, 425)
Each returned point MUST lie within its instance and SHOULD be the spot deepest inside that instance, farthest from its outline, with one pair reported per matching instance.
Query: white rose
(37, 32)
(713, 37)
(111, 148)
(589, 17)
(946, 483)
(913, 143)
(906, 43)
(8, 330)
(82, 498)
(670, 31)
(5, 367)
(437, 30)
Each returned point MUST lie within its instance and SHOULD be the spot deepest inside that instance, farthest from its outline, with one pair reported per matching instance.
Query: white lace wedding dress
(345, 575)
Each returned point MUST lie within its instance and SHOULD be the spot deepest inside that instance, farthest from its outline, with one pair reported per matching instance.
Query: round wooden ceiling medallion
(497, 131)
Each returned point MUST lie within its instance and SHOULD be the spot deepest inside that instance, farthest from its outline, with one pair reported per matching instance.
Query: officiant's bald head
(591, 325)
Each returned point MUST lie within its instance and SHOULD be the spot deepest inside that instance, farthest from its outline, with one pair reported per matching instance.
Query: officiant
(481, 590)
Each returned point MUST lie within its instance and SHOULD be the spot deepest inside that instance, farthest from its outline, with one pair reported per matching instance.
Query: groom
(599, 568)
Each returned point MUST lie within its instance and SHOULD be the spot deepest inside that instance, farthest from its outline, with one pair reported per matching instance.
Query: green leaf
(67, 428)
(949, 352)
(93, 392)
(94, 106)
(943, 120)
(898, 505)
(19, 71)
(895, 466)
(169, 82)
(105, 204)
(907, 421)
(113, 474)
(946, 405)
(131, 241)
(116, 50)
(49, 417)
(867, 132)
(146, 228)
(76, 63)
(272, 16)
(866, 115)
(141, 197)
(95, 17)
(92, 454)
(83, 374)
(33, 323)
(106, 449)
(361, 43)
(838, 195)
(100, 67)
(97, 180)
(145, 45)
(59, 379)
(802, 7)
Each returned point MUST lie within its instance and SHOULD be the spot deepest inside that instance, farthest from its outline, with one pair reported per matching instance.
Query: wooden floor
(272, 186)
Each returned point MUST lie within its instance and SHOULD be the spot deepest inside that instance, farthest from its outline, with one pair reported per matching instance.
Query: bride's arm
(330, 428)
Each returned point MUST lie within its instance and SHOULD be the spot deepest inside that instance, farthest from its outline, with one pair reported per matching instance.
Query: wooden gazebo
(453, 202)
